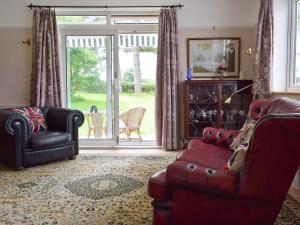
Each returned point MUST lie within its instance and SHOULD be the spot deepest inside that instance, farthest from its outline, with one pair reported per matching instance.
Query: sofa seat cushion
(48, 139)
(207, 155)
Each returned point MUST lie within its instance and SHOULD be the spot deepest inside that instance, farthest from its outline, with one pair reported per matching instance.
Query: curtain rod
(31, 6)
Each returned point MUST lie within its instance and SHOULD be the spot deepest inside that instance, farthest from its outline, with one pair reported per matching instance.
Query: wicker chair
(132, 120)
(95, 123)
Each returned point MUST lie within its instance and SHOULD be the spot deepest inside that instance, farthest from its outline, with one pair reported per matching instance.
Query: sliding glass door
(90, 66)
(137, 69)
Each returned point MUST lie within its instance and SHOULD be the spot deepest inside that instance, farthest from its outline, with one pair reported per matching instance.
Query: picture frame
(214, 57)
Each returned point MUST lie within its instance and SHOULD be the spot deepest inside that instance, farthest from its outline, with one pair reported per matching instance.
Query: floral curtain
(167, 117)
(263, 64)
(45, 78)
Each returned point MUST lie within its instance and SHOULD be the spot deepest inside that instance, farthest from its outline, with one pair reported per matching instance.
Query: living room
(201, 96)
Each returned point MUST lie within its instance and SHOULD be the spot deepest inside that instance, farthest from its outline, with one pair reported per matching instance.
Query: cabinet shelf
(195, 103)
(200, 122)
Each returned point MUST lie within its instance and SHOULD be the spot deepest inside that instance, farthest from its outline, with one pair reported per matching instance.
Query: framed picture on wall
(214, 57)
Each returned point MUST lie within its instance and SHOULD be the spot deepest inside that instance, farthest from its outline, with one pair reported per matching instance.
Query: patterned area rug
(100, 189)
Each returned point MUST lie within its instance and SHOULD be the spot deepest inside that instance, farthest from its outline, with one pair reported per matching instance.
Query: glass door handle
(116, 83)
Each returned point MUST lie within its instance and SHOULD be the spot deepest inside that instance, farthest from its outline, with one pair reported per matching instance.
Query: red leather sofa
(196, 190)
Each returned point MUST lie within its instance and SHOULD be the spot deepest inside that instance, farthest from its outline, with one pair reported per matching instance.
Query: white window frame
(102, 29)
(291, 86)
(108, 26)
(112, 97)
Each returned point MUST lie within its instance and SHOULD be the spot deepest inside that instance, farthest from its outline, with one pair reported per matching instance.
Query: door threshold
(119, 147)
(137, 143)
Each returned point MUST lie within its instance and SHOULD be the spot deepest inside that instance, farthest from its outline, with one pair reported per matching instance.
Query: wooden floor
(295, 193)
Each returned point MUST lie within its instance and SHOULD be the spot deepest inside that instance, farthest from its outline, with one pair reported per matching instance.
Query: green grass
(84, 101)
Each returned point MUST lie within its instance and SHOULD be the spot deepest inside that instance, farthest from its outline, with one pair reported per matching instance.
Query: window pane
(137, 67)
(89, 83)
(297, 69)
(81, 19)
(134, 19)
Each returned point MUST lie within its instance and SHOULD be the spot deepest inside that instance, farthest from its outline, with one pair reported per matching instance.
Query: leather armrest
(64, 119)
(219, 136)
(14, 135)
(259, 108)
(11, 122)
(181, 174)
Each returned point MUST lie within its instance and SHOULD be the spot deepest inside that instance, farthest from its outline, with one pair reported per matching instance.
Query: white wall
(247, 41)
(281, 22)
(232, 18)
(195, 13)
(15, 67)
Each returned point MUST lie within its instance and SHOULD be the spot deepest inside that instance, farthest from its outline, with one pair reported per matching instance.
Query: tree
(128, 76)
(83, 64)
(137, 71)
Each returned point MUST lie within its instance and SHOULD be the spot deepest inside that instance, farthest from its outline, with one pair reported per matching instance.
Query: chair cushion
(240, 146)
(48, 139)
(34, 116)
(245, 135)
(237, 160)
(206, 155)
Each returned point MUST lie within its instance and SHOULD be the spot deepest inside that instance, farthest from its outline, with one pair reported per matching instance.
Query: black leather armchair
(19, 147)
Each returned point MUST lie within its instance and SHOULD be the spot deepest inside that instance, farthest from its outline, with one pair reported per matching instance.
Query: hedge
(128, 87)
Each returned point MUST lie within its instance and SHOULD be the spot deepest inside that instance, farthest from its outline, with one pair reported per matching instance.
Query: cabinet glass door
(205, 106)
(234, 115)
(202, 108)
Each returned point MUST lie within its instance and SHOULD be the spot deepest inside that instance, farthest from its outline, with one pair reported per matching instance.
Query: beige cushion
(243, 139)
(240, 146)
(239, 160)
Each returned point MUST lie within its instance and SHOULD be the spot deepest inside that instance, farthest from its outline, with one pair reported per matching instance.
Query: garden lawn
(84, 101)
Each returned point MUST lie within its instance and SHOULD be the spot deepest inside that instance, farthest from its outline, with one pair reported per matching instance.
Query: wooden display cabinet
(204, 105)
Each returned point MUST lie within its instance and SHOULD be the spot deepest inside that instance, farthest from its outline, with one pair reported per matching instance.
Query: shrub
(148, 87)
(128, 87)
